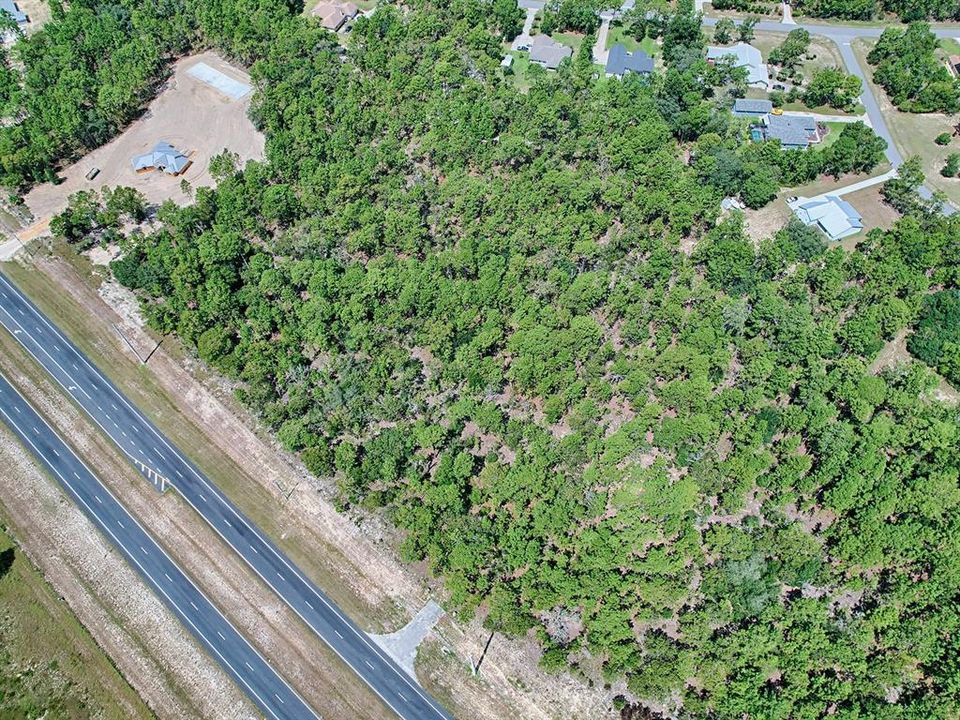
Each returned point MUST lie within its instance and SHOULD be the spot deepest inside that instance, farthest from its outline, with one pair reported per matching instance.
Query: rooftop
(748, 106)
(620, 61)
(164, 156)
(11, 9)
(791, 130)
(546, 51)
(745, 56)
(833, 215)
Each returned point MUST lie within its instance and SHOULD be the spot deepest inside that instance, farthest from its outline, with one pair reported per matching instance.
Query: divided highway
(148, 448)
(241, 661)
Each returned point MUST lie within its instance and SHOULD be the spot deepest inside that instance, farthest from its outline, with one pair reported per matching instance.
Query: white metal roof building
(164, 157)
(834, 216)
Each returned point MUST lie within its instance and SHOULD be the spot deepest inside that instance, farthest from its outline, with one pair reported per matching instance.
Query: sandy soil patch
(765, 222)
(190, 115)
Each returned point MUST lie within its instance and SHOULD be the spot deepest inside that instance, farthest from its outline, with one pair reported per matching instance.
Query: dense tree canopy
(907, 68)
(513, 323)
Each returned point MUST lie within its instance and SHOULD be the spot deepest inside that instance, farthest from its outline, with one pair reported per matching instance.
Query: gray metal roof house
(10, 7)
(620, 62)
(833, 215)
(163, 157)
(795, 132)
(546, 51)
(746, 107)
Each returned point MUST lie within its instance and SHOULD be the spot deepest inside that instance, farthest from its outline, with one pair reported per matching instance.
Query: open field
(48, 660)
(914, 132)
(190, 115)
(352, 557)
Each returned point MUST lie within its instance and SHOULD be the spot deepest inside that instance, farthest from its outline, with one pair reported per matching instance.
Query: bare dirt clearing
(190, 115)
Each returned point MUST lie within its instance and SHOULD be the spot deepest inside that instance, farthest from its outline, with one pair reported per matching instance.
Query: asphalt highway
(240, 660)
(157, 457)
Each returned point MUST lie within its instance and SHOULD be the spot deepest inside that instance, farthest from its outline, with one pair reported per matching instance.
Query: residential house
(746, 107)
(546, 51)
(163, 157)
(334, 15)
(795, 132)
(620, 62)
(745, 56)
(10, 7)
(833, 215)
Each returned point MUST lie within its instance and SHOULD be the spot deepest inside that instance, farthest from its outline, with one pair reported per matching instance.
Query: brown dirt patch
(190, 115)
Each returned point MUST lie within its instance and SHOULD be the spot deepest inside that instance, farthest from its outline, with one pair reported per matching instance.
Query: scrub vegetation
(512, 323)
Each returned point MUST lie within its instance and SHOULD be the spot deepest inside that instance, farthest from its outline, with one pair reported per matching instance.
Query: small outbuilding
(833, 215)
(164, 157)
(620, 62)
(11, 9)
(747, 107)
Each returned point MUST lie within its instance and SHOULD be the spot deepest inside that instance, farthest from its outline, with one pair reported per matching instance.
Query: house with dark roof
(334, 15)
(546, 51)
(620, 62)
(164, 157)
(747, 107)
(795, 132)
(743, 56)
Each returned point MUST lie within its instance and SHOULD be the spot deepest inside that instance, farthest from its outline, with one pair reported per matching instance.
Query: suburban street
(213, 631)
(843, 36)
(158, 458)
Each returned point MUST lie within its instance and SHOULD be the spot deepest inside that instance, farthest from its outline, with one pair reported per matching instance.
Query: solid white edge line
(162, 438)
(169, 560)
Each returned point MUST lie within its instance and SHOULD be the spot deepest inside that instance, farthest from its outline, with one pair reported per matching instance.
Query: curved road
(156, 456)
(214, 632)
(843, 36)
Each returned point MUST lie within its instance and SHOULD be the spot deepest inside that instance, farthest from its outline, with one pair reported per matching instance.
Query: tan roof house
(333, 15)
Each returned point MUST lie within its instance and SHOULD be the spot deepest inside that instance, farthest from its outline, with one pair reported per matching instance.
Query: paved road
(241, 661)
(146, 446)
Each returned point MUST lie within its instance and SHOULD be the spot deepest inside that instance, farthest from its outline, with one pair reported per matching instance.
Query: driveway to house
(600, 52)
(824, 118)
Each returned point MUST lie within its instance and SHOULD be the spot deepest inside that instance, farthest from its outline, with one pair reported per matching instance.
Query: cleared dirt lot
(190, 115)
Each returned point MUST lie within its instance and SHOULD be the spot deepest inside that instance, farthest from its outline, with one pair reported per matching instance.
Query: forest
(905, 10)
(514, 324)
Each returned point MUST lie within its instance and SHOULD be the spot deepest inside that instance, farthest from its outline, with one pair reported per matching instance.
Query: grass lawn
(950, 46)
(618, 35)
(50, 666)
(833, 132)
(570, 39)
(913, 133)
(824, 109)
(517, 74)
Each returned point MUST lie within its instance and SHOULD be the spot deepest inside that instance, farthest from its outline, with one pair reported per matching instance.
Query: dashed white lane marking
(123, 433)
(338, 634)
(254, 549)
(35, 431)
(55, 452)
(15, 407)
(402, 697)
(179, 475)
(308, 604)
(248, 665)
(194, 606)
(201, 496)
(369, 664)
(143, 550)
(75, 475)
(98, 499)
(279, 698)
(169, 579)
(221, 635)
(119, 523)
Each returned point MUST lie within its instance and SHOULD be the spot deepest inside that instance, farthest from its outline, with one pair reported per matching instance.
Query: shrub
(942, 139)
